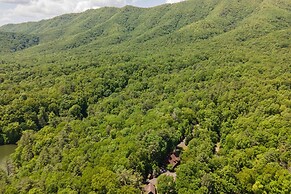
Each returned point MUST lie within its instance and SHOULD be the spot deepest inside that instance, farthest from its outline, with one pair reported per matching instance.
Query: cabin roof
(174, 160)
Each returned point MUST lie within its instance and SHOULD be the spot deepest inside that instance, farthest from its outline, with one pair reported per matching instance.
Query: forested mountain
(11, 42)
(96, 101)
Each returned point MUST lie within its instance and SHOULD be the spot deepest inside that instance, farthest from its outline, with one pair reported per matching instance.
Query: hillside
(12, 42)
(96, 101)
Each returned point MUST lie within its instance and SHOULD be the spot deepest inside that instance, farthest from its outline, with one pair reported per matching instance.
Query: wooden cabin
(174, 160)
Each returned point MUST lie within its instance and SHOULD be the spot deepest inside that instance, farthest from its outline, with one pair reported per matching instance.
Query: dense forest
(96, 101)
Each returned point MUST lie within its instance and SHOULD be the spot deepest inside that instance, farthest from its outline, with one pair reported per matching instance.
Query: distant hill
(98, 101)
(188, 21)
(12, 42)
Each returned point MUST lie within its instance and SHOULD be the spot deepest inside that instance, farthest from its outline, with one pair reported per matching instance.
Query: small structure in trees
(174, 161)
(182, 145)
(150, 189)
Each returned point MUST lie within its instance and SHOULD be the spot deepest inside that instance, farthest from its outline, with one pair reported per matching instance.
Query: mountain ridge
(108, 28)
(100, 101)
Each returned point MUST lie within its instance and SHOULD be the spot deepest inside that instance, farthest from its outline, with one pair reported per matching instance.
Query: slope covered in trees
(12, 42)
(105, 95)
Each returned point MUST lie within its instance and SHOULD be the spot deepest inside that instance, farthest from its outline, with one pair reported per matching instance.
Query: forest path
(217, 148)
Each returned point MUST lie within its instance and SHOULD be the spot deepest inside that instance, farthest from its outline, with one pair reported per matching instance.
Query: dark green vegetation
(106, 94)
(11, 42)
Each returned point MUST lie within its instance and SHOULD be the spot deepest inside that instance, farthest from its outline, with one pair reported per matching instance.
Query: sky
(17, 11)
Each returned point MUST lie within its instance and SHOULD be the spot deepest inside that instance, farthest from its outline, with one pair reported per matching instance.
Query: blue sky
(17, 11)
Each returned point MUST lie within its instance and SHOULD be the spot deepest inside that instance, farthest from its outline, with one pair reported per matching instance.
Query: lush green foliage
(11, 42)
(107, 94)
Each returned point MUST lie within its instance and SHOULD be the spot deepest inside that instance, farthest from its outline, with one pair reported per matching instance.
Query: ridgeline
(97, 100)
